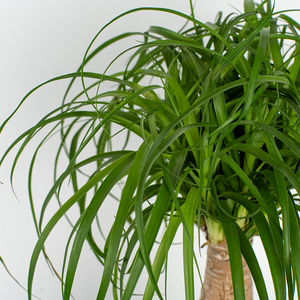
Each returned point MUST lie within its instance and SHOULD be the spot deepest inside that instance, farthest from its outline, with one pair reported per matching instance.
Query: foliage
(216, 110)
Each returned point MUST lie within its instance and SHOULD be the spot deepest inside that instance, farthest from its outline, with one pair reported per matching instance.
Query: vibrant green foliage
(216, 110)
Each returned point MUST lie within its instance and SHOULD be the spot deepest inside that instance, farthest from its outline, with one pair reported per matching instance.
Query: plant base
(217, 280)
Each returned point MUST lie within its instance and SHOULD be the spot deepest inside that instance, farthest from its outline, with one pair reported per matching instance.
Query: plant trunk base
(217, 279)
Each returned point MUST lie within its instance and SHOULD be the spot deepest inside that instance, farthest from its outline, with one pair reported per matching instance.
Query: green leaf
(234, 251)
(295, 243)
(152, 227)
(189, 213)
(275, 261)
(117, 228)
(60, 213)
(91, 211)
(253, 265)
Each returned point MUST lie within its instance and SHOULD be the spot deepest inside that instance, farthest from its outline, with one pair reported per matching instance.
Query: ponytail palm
(215, 110)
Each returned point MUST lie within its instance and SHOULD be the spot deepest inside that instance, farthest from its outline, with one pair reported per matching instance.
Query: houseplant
(216, 109)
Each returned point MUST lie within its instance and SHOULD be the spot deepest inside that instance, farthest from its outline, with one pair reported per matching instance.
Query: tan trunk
(217, 279)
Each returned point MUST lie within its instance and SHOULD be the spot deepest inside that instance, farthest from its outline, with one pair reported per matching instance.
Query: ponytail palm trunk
(217, 279)
(215, 110)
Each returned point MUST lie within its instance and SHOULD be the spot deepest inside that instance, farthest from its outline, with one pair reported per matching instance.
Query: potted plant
(215, 108)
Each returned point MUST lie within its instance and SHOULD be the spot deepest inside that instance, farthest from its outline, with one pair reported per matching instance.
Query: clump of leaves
(216, 110)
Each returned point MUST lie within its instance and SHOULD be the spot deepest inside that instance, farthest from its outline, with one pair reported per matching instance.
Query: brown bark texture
(217, 278)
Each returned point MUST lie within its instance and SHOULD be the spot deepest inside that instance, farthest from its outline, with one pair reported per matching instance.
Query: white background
(40, 40)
